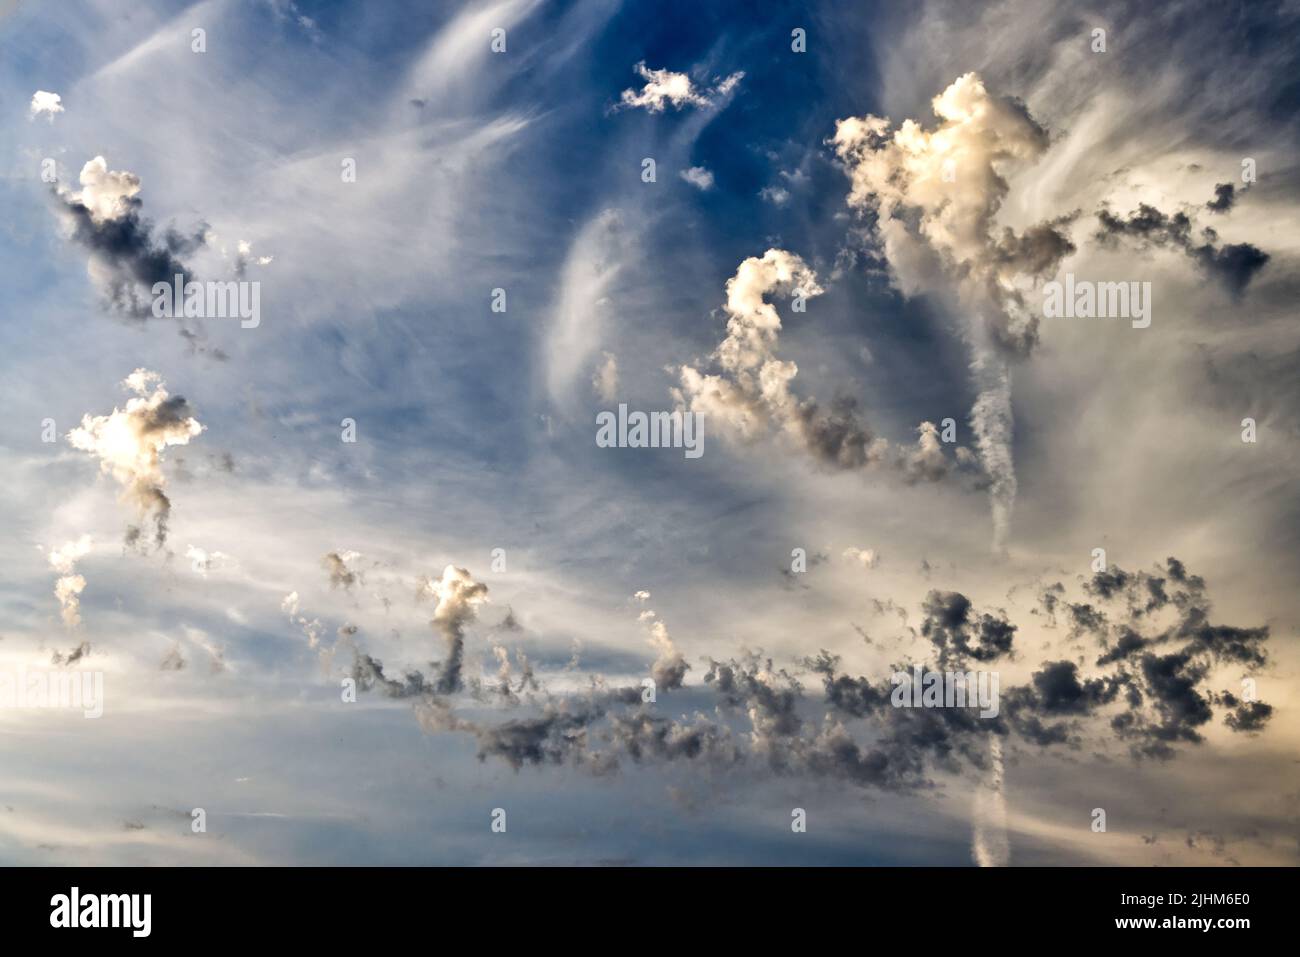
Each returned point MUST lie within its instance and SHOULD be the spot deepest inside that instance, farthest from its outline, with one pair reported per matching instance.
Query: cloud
(458, 596)
(129, 444)
(70, 585)
(45, 104)
(761, 717)
(1225, 197)
(72, 657)
(126, 258)
(699, 177)
(989, 844)
(942, 189)
(776, 195)
(605, 381)
(752, 394)
(935, 196)
(1232, 265)
(202, 561)
(669, 669)
(665, 88)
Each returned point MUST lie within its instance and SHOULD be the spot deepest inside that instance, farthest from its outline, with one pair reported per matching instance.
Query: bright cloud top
(129, 444)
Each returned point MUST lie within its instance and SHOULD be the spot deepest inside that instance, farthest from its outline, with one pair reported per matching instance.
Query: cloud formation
(45, 104)
(129, 444)
(664, 88)
(70, 585)
(751, 395)
(126, 257)
(935, 196)
(1232, 265)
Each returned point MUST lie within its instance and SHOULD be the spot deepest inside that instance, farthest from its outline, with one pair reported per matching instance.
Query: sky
(360, 580)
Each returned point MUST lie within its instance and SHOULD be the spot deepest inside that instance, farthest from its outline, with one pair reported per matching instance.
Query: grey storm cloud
(1225, 197)
(1149, 689)
(958, 633)
(1232, 265)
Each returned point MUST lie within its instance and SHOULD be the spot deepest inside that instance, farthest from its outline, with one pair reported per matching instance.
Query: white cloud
(46, 104)
(104, 192)
(129, 443)
(665, 88)
(936, 195)
(699, 177)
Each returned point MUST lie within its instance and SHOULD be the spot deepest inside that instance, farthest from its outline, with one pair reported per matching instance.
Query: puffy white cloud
(699, 177)
(457, 595)
(107, 194)
(752, 393)
(45, 104)
(129, 444)
(665, 88)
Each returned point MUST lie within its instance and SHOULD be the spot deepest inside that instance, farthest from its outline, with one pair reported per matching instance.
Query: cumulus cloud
(664, 88)
(751, 395)
(45, 104)
(942, 189)
(129, 444)
(935, 196)
(699, 177)
(126, 257)
(70, 585)
(457, 596)
(669, 669)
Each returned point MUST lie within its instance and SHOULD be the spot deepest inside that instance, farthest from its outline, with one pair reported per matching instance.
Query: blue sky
(523, 171)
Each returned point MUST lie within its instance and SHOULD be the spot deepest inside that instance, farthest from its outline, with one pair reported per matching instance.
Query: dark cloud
(1225, 197)
(128, 254)
(72, 657)
(1154, 699)
(1233, 265)
(958, 633)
